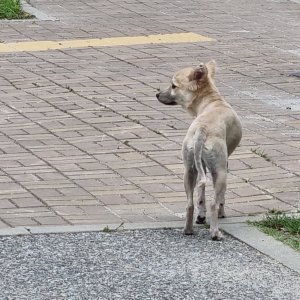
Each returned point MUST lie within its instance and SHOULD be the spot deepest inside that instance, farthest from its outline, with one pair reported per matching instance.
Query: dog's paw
(200, 220)
(188, 231)
(216, 235)
(221, 212)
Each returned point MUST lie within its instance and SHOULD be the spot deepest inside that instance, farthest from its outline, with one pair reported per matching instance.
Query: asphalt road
(141, 264)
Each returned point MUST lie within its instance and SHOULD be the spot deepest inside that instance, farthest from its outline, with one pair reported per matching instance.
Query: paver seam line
(5, 222)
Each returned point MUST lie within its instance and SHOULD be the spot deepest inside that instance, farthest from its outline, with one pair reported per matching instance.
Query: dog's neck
(204, 97)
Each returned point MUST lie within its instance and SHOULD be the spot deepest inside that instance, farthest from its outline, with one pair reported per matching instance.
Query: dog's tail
(200, 138)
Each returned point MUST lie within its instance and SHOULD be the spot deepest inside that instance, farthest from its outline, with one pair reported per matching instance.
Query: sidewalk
(84, 140)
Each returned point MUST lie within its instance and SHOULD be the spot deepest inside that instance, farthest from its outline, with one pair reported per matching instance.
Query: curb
(235, 226)
(29, 230)
(25, 230)
(265, 244)
(35, 12)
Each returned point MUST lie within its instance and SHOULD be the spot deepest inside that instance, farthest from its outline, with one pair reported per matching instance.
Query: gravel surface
(141, 264)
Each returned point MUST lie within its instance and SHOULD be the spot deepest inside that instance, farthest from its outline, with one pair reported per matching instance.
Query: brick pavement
(83, 139)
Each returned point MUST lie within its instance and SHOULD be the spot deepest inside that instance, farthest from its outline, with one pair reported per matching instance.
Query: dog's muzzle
(165, 100)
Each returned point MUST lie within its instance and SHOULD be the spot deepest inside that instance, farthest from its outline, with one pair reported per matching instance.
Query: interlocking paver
(27, 202)
(4, 203)
(24, 221)
(53, 220)
(83, 139)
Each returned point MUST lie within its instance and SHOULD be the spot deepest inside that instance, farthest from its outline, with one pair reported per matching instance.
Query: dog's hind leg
(190, 175)
(201, 180)
(201, 205)
(218, 168)
(217, 205)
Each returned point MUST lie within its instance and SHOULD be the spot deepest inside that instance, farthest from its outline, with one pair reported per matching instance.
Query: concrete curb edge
(35, 12)
(265, 244)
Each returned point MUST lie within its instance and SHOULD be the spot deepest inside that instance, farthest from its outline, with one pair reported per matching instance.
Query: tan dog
(211, 138)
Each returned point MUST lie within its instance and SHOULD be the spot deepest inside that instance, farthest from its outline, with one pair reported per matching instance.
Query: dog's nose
(157, 95)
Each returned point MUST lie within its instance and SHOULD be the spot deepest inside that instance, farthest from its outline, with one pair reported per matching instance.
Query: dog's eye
(174, 86)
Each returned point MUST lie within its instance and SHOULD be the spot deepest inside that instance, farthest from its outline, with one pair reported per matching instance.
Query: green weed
(69, 89)
(12, 9)
(282, 227)
(261, 153)
(106, 229)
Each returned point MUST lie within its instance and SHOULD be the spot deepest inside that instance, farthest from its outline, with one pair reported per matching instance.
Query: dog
(213, 135)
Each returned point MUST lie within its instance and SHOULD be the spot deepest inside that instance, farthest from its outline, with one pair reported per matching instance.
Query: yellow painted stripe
(107, 42)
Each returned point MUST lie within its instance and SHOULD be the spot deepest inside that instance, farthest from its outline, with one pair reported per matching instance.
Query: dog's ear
(211, 67)
(199, 73)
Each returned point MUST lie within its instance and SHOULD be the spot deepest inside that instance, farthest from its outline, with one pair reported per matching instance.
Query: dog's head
(186, 85)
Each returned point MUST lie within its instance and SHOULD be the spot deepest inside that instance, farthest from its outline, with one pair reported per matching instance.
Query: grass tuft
(261, 153)
(12, 9)
(282, 227)
(106, 229)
